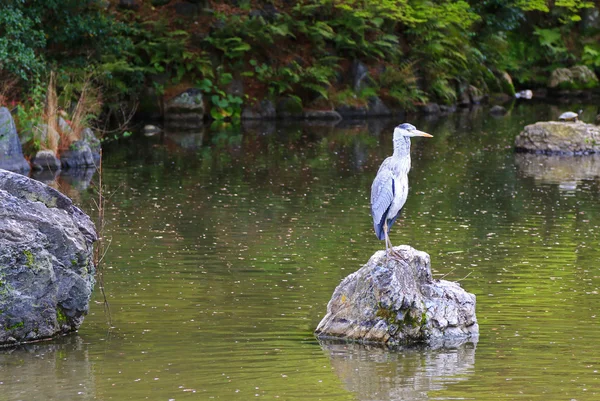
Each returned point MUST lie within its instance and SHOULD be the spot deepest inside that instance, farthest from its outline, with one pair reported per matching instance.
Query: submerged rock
(11, 154)
(397, 302)
(46, 267)
(558, 137)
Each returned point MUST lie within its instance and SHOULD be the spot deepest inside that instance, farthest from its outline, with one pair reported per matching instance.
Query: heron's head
(409, 130)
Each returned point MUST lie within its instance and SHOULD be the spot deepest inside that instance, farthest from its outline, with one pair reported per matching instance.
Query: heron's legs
(389, 248)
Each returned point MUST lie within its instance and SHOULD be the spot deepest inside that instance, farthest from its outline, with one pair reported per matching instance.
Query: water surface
(226, 247)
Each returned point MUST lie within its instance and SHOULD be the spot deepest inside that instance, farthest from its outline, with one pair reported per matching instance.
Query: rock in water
(399, 303)
(11, 154)
(46, 266)
(559, 137)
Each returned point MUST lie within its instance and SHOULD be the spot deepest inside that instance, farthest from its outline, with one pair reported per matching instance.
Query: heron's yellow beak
(421, 133)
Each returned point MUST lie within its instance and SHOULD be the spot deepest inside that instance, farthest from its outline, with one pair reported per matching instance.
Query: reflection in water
(374, 373)
(566, 171)
(56, 370)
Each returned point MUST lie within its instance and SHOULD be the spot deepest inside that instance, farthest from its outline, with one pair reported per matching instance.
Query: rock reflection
(375, 373)
(566, 171)
(55, 370)
(187, 140)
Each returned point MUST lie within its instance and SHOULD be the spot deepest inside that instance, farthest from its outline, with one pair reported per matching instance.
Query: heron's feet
(391, 253)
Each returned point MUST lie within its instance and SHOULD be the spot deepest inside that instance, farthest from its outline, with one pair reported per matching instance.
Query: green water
(225, 249)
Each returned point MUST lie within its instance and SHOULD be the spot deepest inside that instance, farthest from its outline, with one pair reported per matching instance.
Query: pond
(224, 249)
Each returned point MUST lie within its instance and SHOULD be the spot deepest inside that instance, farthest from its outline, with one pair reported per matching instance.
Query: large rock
(11, 154)
(359, 77)
(185, 110)
(398, 302)
(45, 160)
(263, 110)
(46, 267)
(78, 155)
(88, 136)
(576, 77)
(557, 137)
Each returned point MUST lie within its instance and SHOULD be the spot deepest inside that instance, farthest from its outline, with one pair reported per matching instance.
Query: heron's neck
(402, 146)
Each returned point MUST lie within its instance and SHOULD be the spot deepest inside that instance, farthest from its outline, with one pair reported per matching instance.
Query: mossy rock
(290, 107)
(574, 78)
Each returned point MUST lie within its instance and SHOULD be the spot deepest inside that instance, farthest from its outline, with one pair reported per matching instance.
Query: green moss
(16, 326)
(61, 318)
(30, 259)
(400, 318)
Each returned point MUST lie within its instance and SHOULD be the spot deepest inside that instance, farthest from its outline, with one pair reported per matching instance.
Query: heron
(390, 187)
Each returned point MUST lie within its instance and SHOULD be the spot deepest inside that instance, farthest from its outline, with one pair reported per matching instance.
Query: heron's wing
(382, 196)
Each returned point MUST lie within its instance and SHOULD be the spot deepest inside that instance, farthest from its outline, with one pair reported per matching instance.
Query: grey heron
(390, 187)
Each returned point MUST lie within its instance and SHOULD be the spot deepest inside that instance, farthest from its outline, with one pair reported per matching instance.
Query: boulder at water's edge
(46, 263)
(397, 302)
(559, 137)
(11, 154)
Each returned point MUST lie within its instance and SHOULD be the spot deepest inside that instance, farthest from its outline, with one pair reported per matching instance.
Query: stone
(329, 115)
(263, 110)
(45, 160)
(11, 154)
(359, 76)
(186, 109)
(558, 137)
(77, 155)
(476, 96)
(463, 99)
(289, 108)
(88, 136)
(506, 83)
(376, 107)
(397, 302)
(268, 12)
(444, 108)
(431, 108)
(64, 127)
(497, 110)
(348, 111)
(574, 78)
(46, 263)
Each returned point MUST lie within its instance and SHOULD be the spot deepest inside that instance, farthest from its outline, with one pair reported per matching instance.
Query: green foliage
(19, 42)
(591, 55)
(401, 83)
(430, 49)
(226, 108)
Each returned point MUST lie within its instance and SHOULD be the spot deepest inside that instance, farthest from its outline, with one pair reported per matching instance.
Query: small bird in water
(390, 187)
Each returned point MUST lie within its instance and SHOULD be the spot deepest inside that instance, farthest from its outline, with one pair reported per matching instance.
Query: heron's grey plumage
(389, 190)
